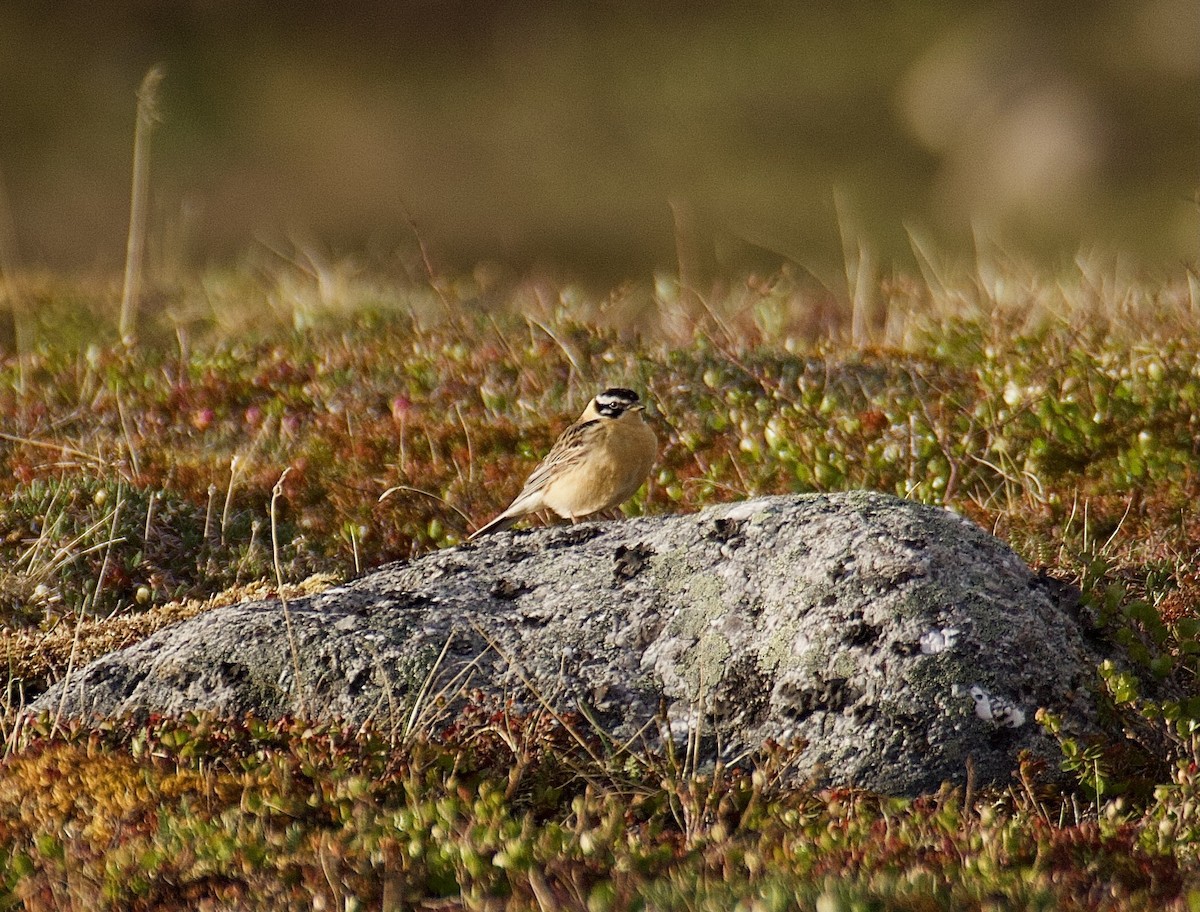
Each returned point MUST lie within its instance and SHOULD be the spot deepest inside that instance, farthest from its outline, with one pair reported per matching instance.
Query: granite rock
(896, 639)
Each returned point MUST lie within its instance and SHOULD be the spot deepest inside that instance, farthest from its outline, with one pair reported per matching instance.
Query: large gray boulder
(896, 639)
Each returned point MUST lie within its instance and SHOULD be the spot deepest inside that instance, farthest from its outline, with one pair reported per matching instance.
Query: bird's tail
(499, 524)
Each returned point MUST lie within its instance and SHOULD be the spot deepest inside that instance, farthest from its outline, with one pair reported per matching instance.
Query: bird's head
(613, 403)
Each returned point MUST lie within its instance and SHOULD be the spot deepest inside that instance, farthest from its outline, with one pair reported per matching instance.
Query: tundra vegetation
(240, 443)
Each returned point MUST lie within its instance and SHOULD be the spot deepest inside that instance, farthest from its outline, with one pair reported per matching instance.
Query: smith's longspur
(595, 465)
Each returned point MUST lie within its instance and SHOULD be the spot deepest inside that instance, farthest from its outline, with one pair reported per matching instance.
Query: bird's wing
(571, 446)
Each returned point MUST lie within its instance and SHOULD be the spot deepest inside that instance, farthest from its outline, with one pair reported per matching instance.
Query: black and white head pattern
(615, 401)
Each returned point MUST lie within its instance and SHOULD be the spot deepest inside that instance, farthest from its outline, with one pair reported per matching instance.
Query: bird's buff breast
(607, 479)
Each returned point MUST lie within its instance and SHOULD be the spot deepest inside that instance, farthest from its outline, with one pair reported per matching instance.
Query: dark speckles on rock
(507, 588)
(1001, 738)
(860, 633)
(628, 561)
(832, 695)
(745, 677)
(358, 680)
(864, 712)
(727, 530)
(572, 535)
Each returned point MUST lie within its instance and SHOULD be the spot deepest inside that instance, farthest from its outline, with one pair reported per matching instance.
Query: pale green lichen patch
(697, 600)
(845, 665)
(780, 646)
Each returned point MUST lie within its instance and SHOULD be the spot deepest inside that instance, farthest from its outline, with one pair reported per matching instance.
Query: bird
(595, 465)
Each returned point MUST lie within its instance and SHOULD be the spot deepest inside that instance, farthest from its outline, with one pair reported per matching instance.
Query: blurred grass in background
(600, 137)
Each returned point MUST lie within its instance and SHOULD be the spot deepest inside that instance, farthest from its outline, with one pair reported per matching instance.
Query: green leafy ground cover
(1060, 412)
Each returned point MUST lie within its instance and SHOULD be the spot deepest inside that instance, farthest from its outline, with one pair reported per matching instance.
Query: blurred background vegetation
(605, 137)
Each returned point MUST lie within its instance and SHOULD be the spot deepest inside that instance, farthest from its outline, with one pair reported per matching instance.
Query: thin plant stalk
(276, 493)
(8, 283)
(147, 118)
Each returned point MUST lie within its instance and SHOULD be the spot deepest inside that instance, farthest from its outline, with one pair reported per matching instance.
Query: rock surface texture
(896, 639)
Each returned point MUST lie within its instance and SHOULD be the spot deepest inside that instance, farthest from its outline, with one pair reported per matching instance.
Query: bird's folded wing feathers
(572, 445)
(567, 450)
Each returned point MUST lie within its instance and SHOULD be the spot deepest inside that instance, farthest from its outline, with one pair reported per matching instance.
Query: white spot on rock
(744, 510)
(996, 709)
(935, 641)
